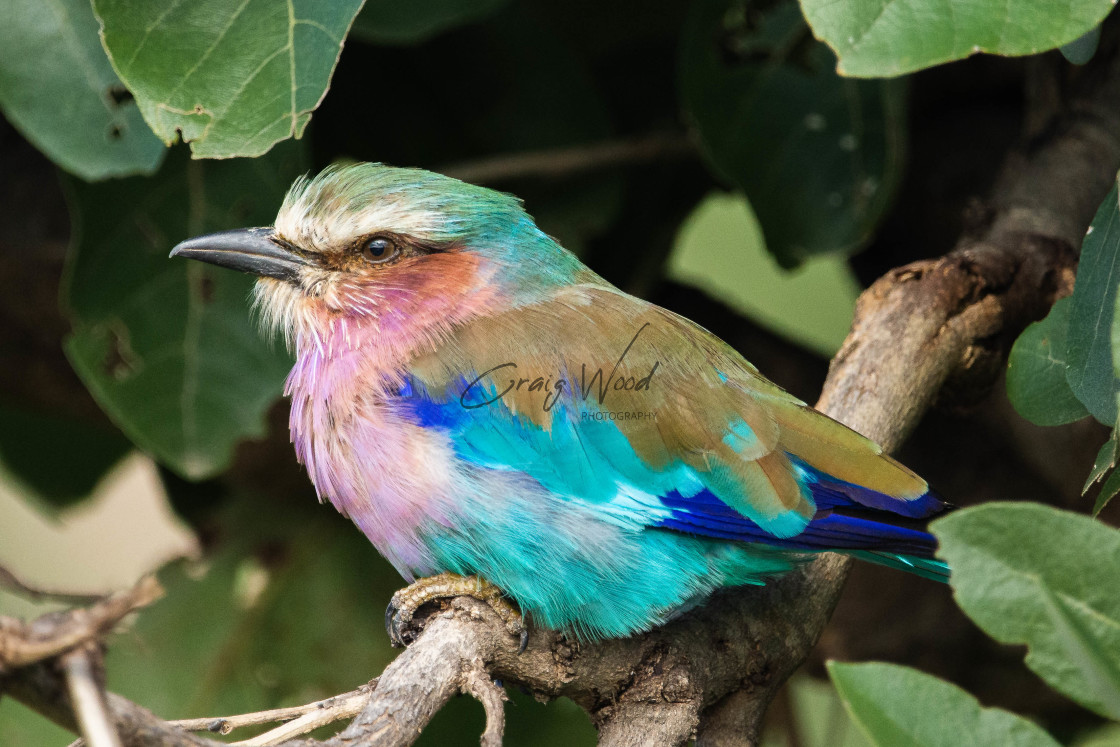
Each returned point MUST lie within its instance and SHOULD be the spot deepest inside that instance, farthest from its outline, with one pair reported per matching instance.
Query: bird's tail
(878, 537)
(850, 519)
(931, 568)
(876, 527)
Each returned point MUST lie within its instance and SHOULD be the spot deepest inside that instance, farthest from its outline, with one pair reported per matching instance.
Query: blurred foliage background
(705, 154)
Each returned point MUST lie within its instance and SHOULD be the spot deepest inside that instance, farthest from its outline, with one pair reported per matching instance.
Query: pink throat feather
(387, 474)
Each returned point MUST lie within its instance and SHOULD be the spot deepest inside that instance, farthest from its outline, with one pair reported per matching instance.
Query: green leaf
(1109, 490)
(167, 347)
(389, 22)
(1036, 371)
(232, 77)
(1091, 373)
(58, 459)
(1106, 735)
(1115, 342)
(59, 90)
(1081, 50)
(1110, 452)
(875, 38)
(897, 705)
(720, 249)
(818, 156)
(1106, 460)
(1034, 575)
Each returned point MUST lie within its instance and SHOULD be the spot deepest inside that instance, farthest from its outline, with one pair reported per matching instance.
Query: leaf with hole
(231, 77)
(59, 90)
(167, 346)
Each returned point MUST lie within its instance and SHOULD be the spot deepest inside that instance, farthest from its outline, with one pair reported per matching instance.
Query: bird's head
(395, 249)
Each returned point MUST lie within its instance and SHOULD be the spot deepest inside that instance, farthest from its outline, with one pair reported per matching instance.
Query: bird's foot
(405, 603)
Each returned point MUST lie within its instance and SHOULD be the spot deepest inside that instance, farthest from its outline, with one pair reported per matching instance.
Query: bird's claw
(407, 601)
(396, 626)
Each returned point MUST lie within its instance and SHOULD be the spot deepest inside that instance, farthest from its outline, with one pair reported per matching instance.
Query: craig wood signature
(475, 395)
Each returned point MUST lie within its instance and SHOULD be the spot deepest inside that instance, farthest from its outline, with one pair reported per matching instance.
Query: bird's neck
(371, 346)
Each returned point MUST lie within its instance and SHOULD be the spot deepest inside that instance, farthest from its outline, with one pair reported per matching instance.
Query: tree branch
(342, 708)
(50, 635)
(307, 717)
(41, 688)
(478, 684)
(12, 582)
(87, 696)
(565, 162)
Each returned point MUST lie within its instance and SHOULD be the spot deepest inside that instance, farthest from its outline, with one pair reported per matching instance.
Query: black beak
(254, 250)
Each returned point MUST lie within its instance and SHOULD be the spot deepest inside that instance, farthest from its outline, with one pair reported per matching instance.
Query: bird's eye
(379, 250)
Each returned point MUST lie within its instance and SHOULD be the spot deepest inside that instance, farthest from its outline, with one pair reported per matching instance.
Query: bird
(500, 421)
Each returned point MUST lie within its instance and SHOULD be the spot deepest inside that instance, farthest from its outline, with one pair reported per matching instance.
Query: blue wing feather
(590, 460)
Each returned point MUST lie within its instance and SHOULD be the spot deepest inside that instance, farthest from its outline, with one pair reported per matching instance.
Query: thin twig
(403, 704)
(14, 583)
(52, 634)
(564, 162)
(344, 707)
(226, 724)
(88, 699)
